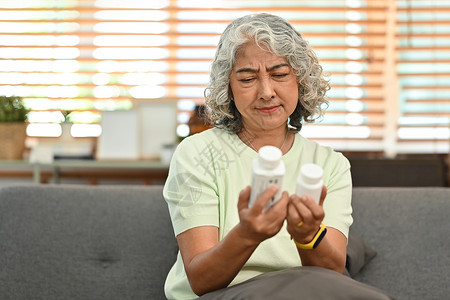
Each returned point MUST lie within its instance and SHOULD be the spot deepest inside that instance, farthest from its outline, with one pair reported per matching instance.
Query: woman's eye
(245, 80)
(279, 75)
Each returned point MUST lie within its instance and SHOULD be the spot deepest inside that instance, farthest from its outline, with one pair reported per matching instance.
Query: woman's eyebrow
(246, 70)
(277, 66)
(252, 70)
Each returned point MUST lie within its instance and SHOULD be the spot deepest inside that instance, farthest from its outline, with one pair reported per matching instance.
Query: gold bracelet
(315, 241)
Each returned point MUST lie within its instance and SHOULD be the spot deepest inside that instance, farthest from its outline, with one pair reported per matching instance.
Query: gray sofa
(116, 242)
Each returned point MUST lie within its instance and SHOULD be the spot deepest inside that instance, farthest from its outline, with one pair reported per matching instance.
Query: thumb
(323, 195)
(244, 197)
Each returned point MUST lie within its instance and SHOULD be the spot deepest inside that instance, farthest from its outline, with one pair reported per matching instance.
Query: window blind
(84, 57)
(423, 70)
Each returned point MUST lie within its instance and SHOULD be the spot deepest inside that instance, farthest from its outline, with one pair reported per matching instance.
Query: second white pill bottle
(310, 182)
(267, 170)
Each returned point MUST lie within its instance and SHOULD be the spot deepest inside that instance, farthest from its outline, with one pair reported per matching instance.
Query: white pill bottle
(267, 170)
(310, 182)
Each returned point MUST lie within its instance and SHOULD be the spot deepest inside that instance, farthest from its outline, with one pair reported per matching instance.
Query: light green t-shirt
(207, 172)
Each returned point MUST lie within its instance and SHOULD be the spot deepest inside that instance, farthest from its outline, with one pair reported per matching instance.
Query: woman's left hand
(304, 217)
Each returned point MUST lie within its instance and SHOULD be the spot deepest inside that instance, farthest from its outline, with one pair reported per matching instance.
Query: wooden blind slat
(325, 27)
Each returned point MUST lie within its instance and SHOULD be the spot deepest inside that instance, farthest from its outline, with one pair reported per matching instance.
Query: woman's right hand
(211, 264)
(256, 223)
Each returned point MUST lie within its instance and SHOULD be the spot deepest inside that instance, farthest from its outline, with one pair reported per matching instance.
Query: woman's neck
(280, 138)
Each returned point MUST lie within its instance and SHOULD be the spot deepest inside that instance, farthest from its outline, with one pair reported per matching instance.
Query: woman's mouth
(268, 109)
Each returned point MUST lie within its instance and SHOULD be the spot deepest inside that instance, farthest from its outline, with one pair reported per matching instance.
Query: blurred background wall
(71, 62)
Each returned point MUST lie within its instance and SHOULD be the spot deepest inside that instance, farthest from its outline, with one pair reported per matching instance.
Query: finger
(323, 195)
(303, 209)
(292, 215)
(244, 197)
(264, 198)
(314, 211)
(279, 209)
(283, 201)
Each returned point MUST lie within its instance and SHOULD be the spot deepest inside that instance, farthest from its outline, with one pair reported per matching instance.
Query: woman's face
(265, 89)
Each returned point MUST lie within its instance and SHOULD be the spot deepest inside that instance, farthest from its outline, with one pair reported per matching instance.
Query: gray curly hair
(280, 38)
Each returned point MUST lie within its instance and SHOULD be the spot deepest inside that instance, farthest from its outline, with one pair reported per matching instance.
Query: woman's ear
(230, 93)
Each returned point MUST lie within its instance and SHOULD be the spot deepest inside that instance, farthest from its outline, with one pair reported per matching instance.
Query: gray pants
(303, 283)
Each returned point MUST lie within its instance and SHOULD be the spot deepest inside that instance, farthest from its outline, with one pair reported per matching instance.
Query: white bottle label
(267, 170)
(260, 183)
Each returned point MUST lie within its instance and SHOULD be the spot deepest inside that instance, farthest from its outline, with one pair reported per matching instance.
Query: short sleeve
(337, 204)
(190, 189)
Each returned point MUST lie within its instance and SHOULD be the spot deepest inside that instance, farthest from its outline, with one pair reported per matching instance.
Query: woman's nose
(266, 89)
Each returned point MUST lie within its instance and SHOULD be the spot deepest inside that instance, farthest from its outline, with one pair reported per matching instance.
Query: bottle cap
(269, 157)
(311, 173)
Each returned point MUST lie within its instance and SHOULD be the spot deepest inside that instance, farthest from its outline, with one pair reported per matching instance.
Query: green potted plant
(13, 124)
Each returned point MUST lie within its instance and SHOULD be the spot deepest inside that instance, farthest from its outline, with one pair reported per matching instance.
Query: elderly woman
(265, 82)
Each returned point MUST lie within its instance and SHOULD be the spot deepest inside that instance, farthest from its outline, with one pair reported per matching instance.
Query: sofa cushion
(408, 227)
(358, 254)
(78, 242)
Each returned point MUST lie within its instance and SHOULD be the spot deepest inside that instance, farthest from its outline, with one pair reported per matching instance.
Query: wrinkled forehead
(251, 53)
